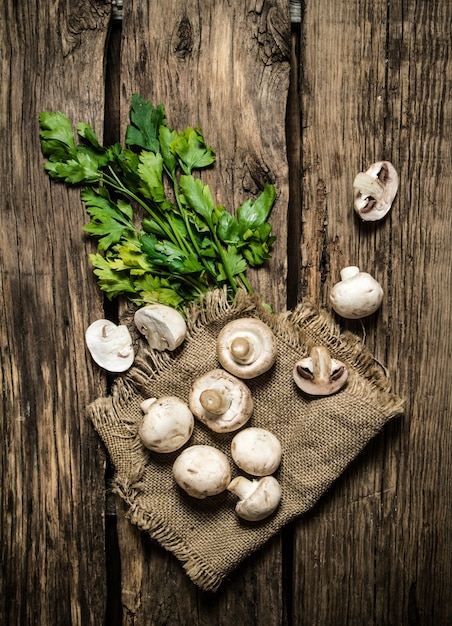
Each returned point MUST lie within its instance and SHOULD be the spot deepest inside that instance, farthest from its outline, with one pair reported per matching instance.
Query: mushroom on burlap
(163, 326)
(319, 374)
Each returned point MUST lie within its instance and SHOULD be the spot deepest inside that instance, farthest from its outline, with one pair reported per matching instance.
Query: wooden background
(306, 106)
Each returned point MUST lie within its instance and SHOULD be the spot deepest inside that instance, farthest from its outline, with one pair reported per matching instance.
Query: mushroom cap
(319, 374)
(258, 498)
(375, 190)
(167, 424)
(256, 451)
(235, 399)
(202, 471)
(163, 326)
(110, 345)
(357, 295)
(246, 347)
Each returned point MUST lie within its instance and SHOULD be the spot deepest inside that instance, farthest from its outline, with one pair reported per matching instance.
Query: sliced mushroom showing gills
(375, 190)
(110, 345)
(246, 347)
(163, 326)
(319, 374)
(220, 401)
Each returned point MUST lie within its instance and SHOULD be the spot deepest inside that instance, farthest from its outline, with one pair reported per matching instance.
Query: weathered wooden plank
(52, 464)
(223, 66)
(376, 550)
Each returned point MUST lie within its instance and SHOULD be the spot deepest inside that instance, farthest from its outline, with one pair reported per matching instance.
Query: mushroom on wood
(257, 498)
(246, 347)
(375, 190)
(163, 326)
(357, 294)
(167, 424)
(221, 401)
(319, 374)
(110, 345)
(202, 471)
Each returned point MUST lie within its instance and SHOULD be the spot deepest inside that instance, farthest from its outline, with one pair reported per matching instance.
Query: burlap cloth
(319, 436)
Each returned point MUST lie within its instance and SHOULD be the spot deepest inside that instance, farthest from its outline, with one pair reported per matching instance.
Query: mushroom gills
(319, 374)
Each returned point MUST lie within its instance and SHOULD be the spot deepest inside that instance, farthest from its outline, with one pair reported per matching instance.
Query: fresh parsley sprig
(160, 235)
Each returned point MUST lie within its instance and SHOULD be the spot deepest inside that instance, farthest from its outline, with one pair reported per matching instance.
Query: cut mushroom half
(220, 401)
(257, 498)
(319, 374)
(163, 326)
(202, 471)
(375, 190)
(246, 347)
(110, 345)
(167, 424)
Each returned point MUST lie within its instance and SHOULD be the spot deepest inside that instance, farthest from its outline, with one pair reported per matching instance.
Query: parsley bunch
(160, 236)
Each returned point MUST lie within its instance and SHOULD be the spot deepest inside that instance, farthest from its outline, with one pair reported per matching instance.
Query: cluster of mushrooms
(358, 294)
(220, 399)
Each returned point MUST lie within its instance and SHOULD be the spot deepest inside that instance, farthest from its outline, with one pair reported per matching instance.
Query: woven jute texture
(319, 436)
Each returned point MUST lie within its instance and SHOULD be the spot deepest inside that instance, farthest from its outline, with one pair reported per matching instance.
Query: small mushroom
(357, 294)
(257, 498)
(163, 326)
(110, 345)
(167, 424)
(221, 401)
(246, 347)
(375, 190)
(202, 471)
(256, 451)
(319, 374)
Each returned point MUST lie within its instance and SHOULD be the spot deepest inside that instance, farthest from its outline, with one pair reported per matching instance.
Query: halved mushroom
(319, 374)
(256, 451)
(167, 424)
(357, 294)
(221, 401)
(246, 347)
(375, 190)
(110, 345)
(163, 326)
(257, 498)
(202, 471)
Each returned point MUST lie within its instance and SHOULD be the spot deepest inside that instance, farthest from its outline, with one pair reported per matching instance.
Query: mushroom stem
(242, 349)
(242, 487)
(215, 401)
(349, 272)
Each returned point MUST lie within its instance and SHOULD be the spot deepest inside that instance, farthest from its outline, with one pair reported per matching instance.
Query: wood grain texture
(374, 79)
(51, 462)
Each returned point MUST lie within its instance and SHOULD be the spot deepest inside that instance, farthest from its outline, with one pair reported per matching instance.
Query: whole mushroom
(375, 190)
(357, 294)
(221, 401)
(163, 326)
(256, 451)
(257, 498)
(202, 471)
(110, 345)
(319, 374)
(167, 424)
(246, 347)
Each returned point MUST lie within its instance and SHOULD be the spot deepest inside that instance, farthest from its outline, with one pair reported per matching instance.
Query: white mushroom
(246, 347)
(319, 374)
(167, 424)
(163, 326)
(375, 190)
(110, 345)
(221, 401)
(357, 294)
(256, 451)
(202, 471)
(258, 498)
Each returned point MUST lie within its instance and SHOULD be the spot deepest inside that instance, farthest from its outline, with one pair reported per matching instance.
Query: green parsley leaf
(145, 123)
(112, 282)
(254, 214)
(192, 151)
